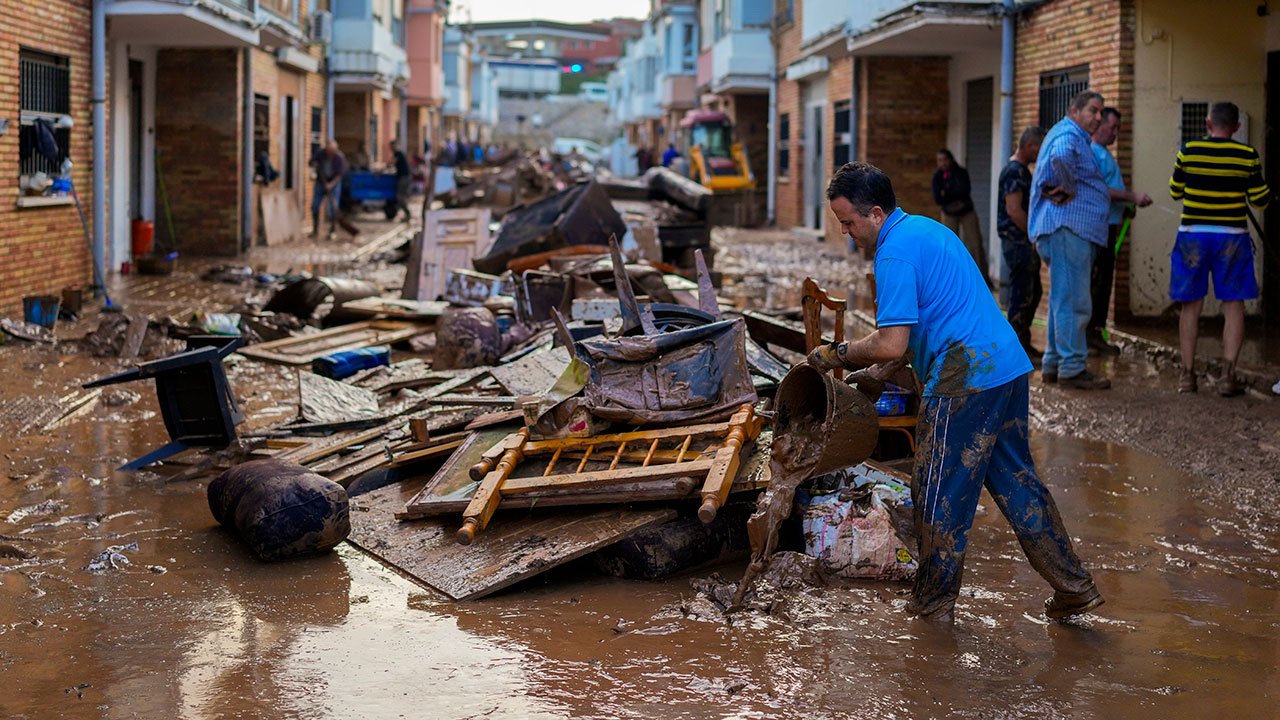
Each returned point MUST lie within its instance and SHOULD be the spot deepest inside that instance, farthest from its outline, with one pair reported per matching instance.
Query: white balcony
(364, 55)
(740, 62)
(184, 23)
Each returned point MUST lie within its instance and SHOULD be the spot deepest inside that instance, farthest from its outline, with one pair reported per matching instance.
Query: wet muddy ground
(123, 598)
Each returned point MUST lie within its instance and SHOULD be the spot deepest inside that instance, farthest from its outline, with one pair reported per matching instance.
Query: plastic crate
(893, 401)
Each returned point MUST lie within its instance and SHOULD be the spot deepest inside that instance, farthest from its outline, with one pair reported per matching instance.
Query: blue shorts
(1228, 256)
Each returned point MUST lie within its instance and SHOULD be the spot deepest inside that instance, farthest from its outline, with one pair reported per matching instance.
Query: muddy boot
(1086, 381)
(1187, 381)
(1099, 345)
(1228, 386)
(1064, 605)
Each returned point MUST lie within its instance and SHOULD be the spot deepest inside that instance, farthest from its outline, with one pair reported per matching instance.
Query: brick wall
(789, 191)
(902, 122)
(1068, 33)
(350, 120)
(198, 141)
(839, 89)
(43, 249)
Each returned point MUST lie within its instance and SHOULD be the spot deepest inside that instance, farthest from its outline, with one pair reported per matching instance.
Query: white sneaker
(1276, 388)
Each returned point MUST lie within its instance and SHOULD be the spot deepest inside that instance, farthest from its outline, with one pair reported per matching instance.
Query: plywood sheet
(519, 546)
(322, 400)
(533, 374)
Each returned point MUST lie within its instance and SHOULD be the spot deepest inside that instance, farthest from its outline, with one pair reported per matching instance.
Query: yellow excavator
(715, 160)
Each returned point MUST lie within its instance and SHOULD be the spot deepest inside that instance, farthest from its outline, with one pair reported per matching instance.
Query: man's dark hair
(1224, 115)
(1030, 134)
(1110, 112)
(864, 185)
(1083, 97)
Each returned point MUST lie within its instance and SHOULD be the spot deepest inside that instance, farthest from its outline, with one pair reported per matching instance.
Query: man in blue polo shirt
(931, 300)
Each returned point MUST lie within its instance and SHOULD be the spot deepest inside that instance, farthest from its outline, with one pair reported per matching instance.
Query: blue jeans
(321, 197)
(966, 443)
(1070, 261)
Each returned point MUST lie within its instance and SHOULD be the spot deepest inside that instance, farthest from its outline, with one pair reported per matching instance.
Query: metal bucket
(814, 403)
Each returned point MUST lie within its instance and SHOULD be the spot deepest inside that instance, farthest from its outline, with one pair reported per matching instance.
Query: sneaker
(1100, 346)
(1064, 605)
(1228, 386)
(1048, 377)
(1086, 381)
(1187, 381)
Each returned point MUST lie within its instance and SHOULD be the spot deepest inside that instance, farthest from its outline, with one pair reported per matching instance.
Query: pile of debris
(532, 395)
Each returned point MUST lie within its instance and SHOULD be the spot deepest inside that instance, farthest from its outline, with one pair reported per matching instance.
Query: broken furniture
(194, 396)
(451, 239)
(581, 215)
(813, 300)
(663, 455)
(301, 350)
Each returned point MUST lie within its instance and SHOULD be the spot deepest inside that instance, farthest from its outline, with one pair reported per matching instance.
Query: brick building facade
(43, 245)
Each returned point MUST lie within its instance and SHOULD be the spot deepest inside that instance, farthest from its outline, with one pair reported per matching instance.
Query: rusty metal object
(841, 417)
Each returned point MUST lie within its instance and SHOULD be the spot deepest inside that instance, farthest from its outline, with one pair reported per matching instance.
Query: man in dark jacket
(404, 180)
(952, 193)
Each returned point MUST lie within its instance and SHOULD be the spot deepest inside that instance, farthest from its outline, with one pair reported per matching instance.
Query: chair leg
(155, 456)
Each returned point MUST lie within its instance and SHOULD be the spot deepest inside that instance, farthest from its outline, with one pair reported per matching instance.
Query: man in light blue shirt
(932, 301)
(1104, 264)
(1068, 222)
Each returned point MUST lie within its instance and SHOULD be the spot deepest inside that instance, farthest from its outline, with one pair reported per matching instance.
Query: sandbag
(280, 509)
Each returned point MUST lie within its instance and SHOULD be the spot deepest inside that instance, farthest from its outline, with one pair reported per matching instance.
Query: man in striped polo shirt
(1213, 177)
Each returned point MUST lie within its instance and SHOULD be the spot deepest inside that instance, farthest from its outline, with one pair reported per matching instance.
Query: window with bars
(261, 127)
(1056, 90)
(843, 150)
(1191, 121)
(44, 92)
(784, 144)
(316, 133)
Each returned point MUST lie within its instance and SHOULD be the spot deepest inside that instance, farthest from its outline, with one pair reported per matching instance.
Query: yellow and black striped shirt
(1213, 177)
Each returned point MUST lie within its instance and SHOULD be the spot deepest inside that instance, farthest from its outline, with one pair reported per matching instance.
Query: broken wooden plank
(305, 348)
(134, 336)
(511, 551)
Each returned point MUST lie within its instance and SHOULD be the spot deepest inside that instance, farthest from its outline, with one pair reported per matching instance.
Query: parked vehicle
(588, 149)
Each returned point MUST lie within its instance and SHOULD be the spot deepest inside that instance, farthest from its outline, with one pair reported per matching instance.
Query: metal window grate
(1191, 121)
(784, 144)
(1056, 90)
(317, 136)
(44, 91)
(261, 126)
(842, 151)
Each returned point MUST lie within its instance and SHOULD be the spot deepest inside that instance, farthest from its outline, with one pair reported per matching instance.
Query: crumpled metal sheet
(698, 374)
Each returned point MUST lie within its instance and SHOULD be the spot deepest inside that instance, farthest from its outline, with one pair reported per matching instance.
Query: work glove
(867, 383)
(826, 357)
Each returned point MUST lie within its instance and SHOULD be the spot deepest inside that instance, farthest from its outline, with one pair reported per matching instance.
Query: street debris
(113, 558)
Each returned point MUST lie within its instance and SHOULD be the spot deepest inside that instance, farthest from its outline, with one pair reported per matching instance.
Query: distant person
(669, 155)
(644, 159)
(952, 193)
(1122, 203)
(1025, 289)
(1213, 177)
(1068, 221)
(330, 165)
(404, 180)
(360, 158)
(477, 154)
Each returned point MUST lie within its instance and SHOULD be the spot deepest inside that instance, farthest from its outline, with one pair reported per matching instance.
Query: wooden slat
(305, 348)
(516, 486)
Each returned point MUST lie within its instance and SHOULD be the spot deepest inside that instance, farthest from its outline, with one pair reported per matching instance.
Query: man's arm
(962, 183)
(1259, 193)
(1013, 206)
(882, 345)
(1178, 181)
(1128, 196)
(939, 194)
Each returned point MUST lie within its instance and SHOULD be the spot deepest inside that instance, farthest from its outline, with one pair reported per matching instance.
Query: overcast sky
(562, 10)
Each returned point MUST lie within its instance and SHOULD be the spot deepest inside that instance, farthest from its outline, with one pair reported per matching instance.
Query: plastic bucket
(142, 235)
(41, 310)
(814, 403)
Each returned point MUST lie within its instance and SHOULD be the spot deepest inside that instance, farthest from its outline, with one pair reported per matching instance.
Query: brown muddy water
(185, 623)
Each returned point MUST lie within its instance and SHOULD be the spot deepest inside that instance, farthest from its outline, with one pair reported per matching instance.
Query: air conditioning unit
(321, 27)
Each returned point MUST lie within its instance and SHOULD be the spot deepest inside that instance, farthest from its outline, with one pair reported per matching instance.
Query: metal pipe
(328, 103)
(771, 148)
(98, 101)
(1006, 80)
(246, 157)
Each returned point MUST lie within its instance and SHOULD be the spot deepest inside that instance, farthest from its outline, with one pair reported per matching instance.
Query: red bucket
(142, 235)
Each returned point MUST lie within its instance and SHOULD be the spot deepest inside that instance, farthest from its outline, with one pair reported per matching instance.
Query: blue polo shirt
(960, 339)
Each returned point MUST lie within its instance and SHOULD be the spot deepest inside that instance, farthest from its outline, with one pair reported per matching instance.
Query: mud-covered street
(123, 597)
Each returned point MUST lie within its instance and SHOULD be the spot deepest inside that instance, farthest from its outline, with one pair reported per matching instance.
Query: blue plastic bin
(41, 309)
(893, 401)
(364, 186)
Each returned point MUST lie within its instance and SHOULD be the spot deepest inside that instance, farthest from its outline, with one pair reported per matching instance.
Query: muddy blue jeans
(964, 444)
(1070, 260)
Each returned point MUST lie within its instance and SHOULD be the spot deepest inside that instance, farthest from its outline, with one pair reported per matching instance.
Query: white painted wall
(963, 68)
(121, 150)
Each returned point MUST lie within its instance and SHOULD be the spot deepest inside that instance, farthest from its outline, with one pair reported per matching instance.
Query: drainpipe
(771, 148)
(1006, 80)
(98, 101)
(246, 157)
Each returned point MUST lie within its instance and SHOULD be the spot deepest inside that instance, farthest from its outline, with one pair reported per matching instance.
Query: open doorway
(1271, 260)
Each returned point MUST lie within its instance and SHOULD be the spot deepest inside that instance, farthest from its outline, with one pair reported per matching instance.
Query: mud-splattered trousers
(967, 442)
